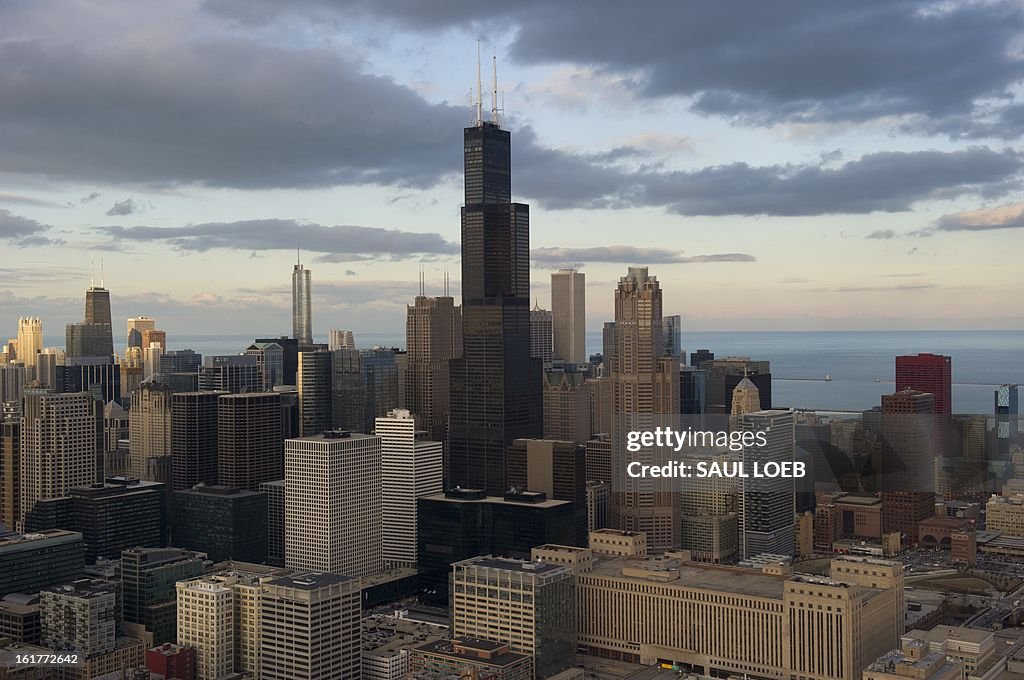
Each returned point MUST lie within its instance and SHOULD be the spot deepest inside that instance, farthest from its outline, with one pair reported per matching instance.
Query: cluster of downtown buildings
(249, 516)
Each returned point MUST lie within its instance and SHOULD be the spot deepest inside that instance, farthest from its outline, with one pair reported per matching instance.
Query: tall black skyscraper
(495, 386)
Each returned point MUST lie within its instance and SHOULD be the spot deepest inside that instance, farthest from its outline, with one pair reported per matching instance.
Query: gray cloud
(630, 254)
(342, 243)
(882, 234)
(905, 287)
(22, 199)
(943, 66)
(24, 232)
(1009, 216)
(125, 207)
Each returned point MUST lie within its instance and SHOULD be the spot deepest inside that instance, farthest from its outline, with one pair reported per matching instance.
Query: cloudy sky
(779, 165)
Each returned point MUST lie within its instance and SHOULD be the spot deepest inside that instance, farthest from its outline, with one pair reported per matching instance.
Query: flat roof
(689, 575)
(509, 564)
(327, 437)
(447, 648)
(939, 633)
(310, 581)
(549, 503)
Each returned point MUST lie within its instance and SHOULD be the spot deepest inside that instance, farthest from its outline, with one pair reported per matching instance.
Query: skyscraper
(931, 373)
(645, 395)
(94, 336)
(302, 305)
(250, 444)
(364, 386)
(433, 333)
(333, 503)
(149, 433)
(61, 445)
(314, 384)
(1007, 415)
(569, 316)
(30, 340)
(136, 326)
(541, 325)
(410, 468)
(194, 438)
(340, 339)
(672, 327)
(495, 386)
(767, 512)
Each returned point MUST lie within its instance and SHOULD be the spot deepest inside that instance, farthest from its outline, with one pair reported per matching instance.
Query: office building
(29, 562)
(20, 618)
(672, 328)
(767, 505)
(464, 523)
(235, 373)
(250, 441)
(600, 404)
(340, 339)
(61, 445)
(914, 659)
(10, 472)
(333, 503)
(93, 337)
(148, 578)
(645, 395)
(693, 391)
(269, 361)
(315, 398)
(172, 662)
(116, 428)
(310, 628)
(531, 606)
(700, 356)
(226, 523)
(410, 467)
(180, 361)
(194, 432)
(364, 386)
(569, 316)
(723, 375)
(558, 469)
(909, 456)
(111, 517)
(495, 385)
(904, 510)
(206, 623)
(709, 509)
(1007, 420)
(1005, 514)
(541, 325)
(720, 621)
(931, 373)
(13, 378)
(149, 433)
(81, 615)
(599, 497)
(972, 647)
(568, 405)
(599, 459)
(136, 326)
(274, 492)
(30, 340)
(433, 333)
(470, 657)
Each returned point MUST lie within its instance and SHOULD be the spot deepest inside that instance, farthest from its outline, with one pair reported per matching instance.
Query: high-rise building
(171, 661)
(364, 386)
(30, 340)
(29, 562)
(81, 615)
(767, 512)
(314, 384)
(672, 327)
(13, 378)
(569, 315)
(194, 431)
(116, 427)
(206, 622)
(909, 442)
(149, 433)
(10, 472)
(464, 523)
(693, 391)
(111, 517)
(709, 505)
(340, 339)
(433, 334)
(311, 628)
(333, 503)
(250, 442)
(94, 336)
(495, 386)
(275, 521)
(234, 373)
(148, 595)
(700, 356)
(269, 361)
(645, 389)
(180, 361)
(226, 523)
(723, 375)
(541, 330)
(410, 468)
(61, 445)
(746, 398)
(531, 606)
(98, 375)
(568, 406)
(136, 326)
(557, 469)
(1007, 420)
(932, 373)
(302, 305)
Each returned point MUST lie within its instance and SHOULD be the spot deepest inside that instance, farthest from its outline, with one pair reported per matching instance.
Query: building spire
(479, 89)
(494, 88)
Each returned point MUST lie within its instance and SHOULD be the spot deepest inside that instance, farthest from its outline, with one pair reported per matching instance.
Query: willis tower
(495, 386)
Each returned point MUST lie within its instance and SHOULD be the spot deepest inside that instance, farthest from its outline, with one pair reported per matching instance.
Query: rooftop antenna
(92, 272)
(494, 87)
(298, 248)
(446, 283)
(101, 273)
(421, 280)
(479, 89)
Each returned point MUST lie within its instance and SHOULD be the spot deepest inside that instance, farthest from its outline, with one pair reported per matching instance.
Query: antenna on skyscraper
(101, 273)
(494, 87)
(446, 283)
(92, 272)
(479, 89)
(298, 249)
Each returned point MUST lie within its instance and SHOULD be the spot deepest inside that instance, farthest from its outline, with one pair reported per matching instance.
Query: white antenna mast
(101, 273)
(479, 89)
(92, 272)
(494, 88)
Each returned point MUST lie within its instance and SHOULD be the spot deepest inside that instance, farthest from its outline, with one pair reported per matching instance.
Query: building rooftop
(83, 588)
(310, 581)
(450, 648)
(447, 496)
(942, 633)
(684, 574)
(13, 541)
(388, 636)
(509, 564)
(850, 499)
(217, 490)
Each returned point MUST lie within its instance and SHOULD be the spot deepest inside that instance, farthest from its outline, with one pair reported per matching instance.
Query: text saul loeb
(664, 437)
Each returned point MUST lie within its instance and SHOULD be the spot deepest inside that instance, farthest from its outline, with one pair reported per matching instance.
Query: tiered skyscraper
(302, 305)
(568, 311)
(433, 332)
(495, 386)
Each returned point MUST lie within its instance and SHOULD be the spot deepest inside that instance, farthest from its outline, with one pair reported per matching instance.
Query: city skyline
(887, 198)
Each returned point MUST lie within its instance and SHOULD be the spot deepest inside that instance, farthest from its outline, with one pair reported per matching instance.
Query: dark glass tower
(495, 386)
